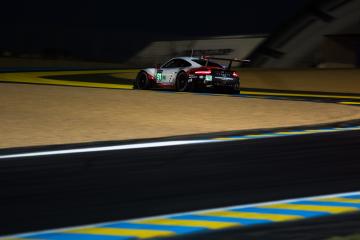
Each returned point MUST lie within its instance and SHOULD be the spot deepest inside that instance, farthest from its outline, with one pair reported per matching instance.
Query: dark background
(113, 31)
(153, 17)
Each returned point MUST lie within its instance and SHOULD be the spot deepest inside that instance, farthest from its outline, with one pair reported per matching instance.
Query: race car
(190, 74)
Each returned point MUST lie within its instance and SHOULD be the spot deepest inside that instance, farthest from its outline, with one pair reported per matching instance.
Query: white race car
(190, 74)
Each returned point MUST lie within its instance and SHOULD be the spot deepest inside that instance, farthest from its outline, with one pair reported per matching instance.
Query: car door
(168, 72)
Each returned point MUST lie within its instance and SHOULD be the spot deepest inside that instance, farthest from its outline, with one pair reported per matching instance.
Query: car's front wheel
(142, 81)
(182, 82)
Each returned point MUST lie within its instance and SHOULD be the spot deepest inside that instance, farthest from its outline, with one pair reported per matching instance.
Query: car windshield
(202, 62)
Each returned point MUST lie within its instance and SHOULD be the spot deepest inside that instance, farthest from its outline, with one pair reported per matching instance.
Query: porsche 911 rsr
(190, 74)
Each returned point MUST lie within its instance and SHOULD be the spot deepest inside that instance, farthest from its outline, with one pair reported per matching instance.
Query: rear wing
(231, 60)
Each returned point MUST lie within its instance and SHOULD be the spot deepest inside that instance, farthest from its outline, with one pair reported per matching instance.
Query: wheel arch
(182, 71)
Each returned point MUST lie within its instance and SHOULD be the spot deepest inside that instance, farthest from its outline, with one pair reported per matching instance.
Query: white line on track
(173, 143)
(108, 148)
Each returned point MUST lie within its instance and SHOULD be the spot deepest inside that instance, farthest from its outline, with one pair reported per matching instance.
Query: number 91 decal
(160, 77)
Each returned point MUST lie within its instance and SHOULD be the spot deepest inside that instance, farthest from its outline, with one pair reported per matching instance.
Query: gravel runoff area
(33, 115)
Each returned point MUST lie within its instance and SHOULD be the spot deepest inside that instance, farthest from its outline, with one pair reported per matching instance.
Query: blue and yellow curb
(181, 224)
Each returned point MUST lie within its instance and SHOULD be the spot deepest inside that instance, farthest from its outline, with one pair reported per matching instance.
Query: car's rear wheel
(142, 81)
(182, 82)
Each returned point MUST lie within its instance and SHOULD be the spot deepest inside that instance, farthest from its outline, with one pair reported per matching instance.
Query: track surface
(123, 79)
(49, 192)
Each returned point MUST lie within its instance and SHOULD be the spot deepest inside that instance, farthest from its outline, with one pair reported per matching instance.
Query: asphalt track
(122, 79)
(48, 192)
(68, 190)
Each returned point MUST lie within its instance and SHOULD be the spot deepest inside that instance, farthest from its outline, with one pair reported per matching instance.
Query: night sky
(153, 17)
(103, 30)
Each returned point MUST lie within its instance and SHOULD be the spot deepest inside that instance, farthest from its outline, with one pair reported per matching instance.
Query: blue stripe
(357, 196)
(335, 204)
(176, 229)
(74, 236)
(305, 214)
(242, 221)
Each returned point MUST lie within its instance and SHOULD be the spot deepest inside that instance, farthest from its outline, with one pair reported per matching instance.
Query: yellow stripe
(226, 139)
(71, 83)
(309, 131)
(40, 78)
(291, 133)
(298, 95)
(350, 103)
(190, 223)
(260, 135)
(74, 72)
(322, 130)
(123, 232)
(265, 216)
(315, 131)
(328, 209)
(339, 200)
(17, 75)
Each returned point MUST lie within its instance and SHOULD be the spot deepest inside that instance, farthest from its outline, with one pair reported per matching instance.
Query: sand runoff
(33, 115)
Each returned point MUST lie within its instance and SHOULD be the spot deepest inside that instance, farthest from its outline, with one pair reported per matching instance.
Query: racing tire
(142, 81)
(182, 82)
